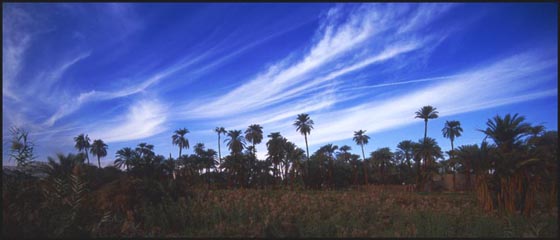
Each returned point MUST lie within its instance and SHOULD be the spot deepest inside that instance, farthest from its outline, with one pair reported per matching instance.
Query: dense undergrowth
(136, 207)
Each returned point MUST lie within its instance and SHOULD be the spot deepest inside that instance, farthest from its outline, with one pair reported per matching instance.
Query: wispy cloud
(15, 42)
(144, 119)
(283, 80)
(55, 75)
(495, 84)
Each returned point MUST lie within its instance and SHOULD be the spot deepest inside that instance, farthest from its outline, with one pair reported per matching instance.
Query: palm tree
(254, 134)
(508, 131)
(426, 112)
(354, 158)
(235, 141)
(220, 131)
(329, 150)
(82, 144)
(360, 138)
(428, 150)
(383, 156)
(304, 125)
(466, 155)
(275, 147)
(99, 149)
(511, 161)
(125, 157)
(65, 165)
(406, 147)
(145, 150)
(180, 140)
(344, 150)
(236, 144)
(451, 130)
(293, 157)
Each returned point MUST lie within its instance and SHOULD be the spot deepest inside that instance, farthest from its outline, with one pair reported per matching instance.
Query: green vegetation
(511, 187)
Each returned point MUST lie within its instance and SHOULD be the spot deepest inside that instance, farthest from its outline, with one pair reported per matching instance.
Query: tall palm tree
(304, 125)
(125, 156)
(254, 134)
(220, 131)
(179, 139)
(451, 130)
(82, 144)
(361, 138)
(99, 149)
(426, 112)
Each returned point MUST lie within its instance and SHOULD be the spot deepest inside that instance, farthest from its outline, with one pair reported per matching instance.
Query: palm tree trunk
(307, 149)
(425, 129)
(355, 174)
(219, 151)
(98, 161)
(365, 165)
(286, 167)
(87, 156)
(254, 150)
(180, 148)
(331, 168)
(468, 174)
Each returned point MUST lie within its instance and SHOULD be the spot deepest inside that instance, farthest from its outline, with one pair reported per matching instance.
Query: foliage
(21, 148)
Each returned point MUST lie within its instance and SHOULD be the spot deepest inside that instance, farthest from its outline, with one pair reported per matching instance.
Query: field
(375, 212)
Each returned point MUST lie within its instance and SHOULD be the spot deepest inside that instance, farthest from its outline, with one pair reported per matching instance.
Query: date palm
(275, 147)
(329, 150)
(220, 131)
(145, 150)
(125, 156)
(344, 151)
(426, 112)
(507, 132)
(406, 148)
(304, 124)
(179, 139)
(235, 142)
(82, 144)
(428, 150)
(254, 134)
(361, 139)
(382, 156)
(99, 149)
(452, 130)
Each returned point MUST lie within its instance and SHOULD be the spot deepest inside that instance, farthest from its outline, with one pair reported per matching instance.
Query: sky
(128, 73)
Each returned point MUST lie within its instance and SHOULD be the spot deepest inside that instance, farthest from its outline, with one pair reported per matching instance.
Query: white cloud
(144, 119)
(493, 85)
(335, 41)
(55, 75)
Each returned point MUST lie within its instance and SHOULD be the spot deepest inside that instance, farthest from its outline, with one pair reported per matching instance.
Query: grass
(355, 213)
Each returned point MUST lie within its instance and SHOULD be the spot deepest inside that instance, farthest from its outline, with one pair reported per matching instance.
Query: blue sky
(129, 73)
